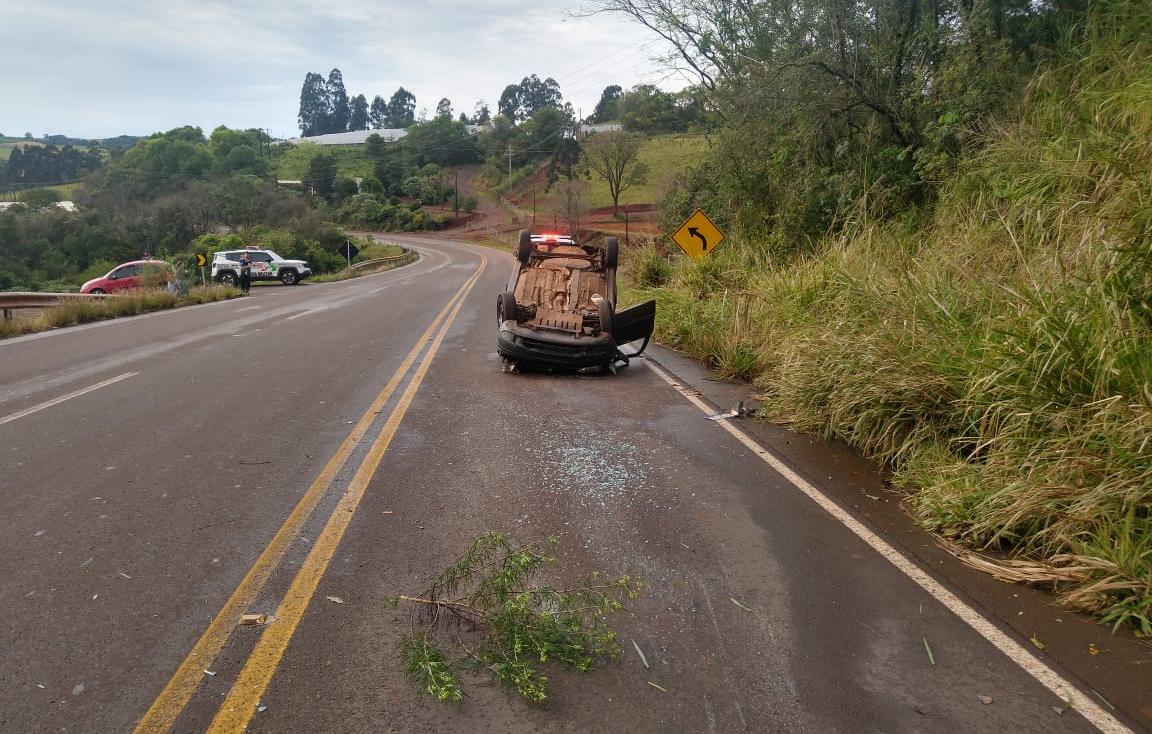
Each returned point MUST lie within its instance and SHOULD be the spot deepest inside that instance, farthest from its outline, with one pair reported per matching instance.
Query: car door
(635, 322)
(123, 278)
(262, 265)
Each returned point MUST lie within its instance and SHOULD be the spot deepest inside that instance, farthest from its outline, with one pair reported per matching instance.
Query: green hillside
(995, 347)
(666, 157)
(352, 161)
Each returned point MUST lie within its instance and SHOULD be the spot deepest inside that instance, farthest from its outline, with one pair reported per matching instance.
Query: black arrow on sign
(703, 240)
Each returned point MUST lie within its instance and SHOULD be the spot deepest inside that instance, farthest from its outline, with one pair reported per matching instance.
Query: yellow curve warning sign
(698, 236)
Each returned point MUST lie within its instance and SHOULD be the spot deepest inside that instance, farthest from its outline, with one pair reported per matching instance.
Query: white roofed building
(359, 137)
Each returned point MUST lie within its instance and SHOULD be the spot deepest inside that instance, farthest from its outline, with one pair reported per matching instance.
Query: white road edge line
(69, 396)
(1016, 652)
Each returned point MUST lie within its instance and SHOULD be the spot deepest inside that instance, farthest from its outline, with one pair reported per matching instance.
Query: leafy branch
(489, 607)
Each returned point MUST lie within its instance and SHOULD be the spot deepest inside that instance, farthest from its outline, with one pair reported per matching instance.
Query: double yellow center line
(240, 704)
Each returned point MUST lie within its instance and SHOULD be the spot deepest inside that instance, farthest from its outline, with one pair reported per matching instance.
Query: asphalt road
(161, 475)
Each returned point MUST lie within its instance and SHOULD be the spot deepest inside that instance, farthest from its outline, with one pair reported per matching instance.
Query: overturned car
(559, 310)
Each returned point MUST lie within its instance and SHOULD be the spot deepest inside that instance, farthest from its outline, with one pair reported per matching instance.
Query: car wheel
(611, 252)
(607, 313)
(506, 307)
(98, 291)
(524, 248)
(289, 277)
(228, 279)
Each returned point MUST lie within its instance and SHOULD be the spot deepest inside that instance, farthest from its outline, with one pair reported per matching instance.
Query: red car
(136, 274)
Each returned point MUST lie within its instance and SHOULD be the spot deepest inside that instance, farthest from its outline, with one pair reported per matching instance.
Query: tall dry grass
(71, 313)
(999, 358)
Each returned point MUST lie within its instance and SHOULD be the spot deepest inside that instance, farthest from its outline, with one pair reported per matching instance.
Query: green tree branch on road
(505, 624)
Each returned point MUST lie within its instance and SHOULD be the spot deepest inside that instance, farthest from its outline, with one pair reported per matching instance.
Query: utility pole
(509, 159)
(456, 198)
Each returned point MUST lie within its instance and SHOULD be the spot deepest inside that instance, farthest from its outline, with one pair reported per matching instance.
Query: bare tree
(614, 156)
(570, 203)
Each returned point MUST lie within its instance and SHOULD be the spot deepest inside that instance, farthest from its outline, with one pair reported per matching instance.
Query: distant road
(164, 474)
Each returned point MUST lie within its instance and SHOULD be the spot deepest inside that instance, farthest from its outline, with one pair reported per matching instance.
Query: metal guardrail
(382, 260)
(13, 301)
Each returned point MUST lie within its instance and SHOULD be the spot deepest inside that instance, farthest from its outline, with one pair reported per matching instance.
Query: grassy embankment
(665, 156)
(351, 160)
(72, 313)
(999, 357)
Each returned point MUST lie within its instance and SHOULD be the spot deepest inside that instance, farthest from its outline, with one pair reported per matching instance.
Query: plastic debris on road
(745, 608)
(740, 411)
(641, 654)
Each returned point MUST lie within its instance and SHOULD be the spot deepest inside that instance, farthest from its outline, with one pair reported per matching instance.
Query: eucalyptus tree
(359, 116)
(313, 105)
(338, 109)
(401, 109)
(606, 108)
(378, 113)
(519, 102)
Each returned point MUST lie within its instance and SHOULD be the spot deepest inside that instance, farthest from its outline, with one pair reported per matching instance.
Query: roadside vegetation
(960, 285)
(71, 313)
(372, 251)
(167, 196)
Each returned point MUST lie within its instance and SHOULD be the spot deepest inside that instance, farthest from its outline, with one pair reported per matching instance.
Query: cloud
(128, 66)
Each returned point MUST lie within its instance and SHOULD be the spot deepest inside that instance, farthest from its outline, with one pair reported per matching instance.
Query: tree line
(826, 104)
(44, 165)
(161, 197)
(326, 108)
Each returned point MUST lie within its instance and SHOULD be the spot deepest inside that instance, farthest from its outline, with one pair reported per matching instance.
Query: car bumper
(552, 350)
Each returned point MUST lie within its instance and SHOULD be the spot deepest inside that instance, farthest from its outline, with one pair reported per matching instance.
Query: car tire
(606, 311)
(611, 252)
(227, 278)
(289, 277)
(98, 291)
(505, 307)
(524, 247)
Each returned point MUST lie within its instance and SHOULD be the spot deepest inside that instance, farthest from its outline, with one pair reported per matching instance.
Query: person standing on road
(245, 272)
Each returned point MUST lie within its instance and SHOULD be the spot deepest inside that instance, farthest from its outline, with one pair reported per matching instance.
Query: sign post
(201, 261)
(349, 251)
(698, 236)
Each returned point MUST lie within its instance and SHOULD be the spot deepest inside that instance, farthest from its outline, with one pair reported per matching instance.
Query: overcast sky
(94, 69)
